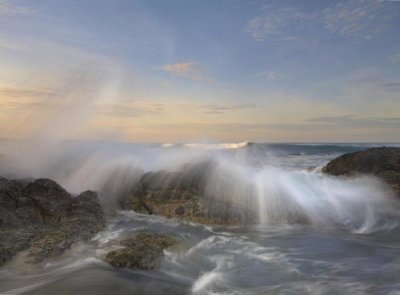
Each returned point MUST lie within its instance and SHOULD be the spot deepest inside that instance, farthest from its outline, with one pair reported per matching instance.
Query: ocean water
(351, 244)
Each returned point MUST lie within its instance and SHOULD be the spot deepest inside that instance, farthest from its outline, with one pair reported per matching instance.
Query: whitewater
(350, 243)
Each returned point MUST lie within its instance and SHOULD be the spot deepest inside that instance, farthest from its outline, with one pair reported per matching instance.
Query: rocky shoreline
(41, 217)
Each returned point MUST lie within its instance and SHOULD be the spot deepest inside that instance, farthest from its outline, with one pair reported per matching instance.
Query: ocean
(350, 246)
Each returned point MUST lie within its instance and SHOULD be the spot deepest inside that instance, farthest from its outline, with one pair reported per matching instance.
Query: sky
(184, 71)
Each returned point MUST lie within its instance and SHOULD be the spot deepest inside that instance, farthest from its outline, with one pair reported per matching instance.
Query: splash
(209, 146)
(271, 194)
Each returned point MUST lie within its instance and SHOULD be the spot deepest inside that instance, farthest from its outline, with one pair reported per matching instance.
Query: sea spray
(268, 193)
(347, 233)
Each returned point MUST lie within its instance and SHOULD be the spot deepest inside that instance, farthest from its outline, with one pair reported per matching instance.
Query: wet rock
(143, 251)
(13, 241)
(50, 200)
(183, 194)
(84, 220)
(383, 162)
(43, 217)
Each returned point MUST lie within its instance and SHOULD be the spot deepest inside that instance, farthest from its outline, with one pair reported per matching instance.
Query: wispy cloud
(391, 84)
(188, 70)
(355, 121)
(215, 109)
(274, 22)
(395, 58)
(141, 108)
(317, 124)
(271, 75)
(8, 8)
(351, 19)
(11, 92)
(134, 109)
(356, 18)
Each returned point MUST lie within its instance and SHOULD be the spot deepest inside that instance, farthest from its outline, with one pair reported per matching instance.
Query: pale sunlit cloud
(188, 70)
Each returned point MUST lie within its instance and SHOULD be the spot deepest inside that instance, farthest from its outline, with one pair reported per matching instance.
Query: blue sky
(157, 71)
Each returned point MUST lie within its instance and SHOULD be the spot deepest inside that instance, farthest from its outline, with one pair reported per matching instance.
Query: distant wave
(168, 145)
(209, 146)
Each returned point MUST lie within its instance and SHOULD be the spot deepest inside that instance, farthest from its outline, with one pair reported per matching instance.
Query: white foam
(217, 146)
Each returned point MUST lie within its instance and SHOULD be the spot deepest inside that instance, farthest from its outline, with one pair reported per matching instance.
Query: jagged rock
(383, 162)
(42, 216)
(143, 251)
(85, 219)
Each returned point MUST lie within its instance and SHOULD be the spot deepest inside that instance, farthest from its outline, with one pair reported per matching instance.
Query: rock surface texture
(44, 218)
(183, 194)
(143, 251)
(382, 162)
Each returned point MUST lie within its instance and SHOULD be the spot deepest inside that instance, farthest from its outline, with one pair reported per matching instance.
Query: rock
(43, 217)
(51, 201)
(143, 251)
(13, 241)
(18, 219)
(383, 162)
(82, 223)
(183, 194)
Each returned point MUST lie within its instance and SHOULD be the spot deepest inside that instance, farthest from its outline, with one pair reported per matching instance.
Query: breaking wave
(210, 146)
(267, 191)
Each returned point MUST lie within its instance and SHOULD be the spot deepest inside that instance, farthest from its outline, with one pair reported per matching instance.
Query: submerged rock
(183, 194)
(43, 217)
(143, 251)
(383, 162)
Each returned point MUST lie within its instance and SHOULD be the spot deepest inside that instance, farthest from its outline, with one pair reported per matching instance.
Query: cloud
(275, 22)
(8, 9)
(140, 108)
(188, 70)
(351, 19)
(392, 84)
(395, 58)
(21, 93)
(269, 75)
(213, 108)
(354, 121)
(356, 18)
(180, 68)
(134, 109)
(324, 124)
(220, 109)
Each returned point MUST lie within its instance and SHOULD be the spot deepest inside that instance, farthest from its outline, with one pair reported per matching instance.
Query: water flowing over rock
(183, 194)
(143, 251)
(383, 162)
(43, 217)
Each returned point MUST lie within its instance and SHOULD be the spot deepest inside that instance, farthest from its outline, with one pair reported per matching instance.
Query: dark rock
(156, 240)
(383, 162)
(13, 241)
(18, 219)
(82, 223)
(42, 216)
(51, 201)
(143, 251)
(180, 211)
